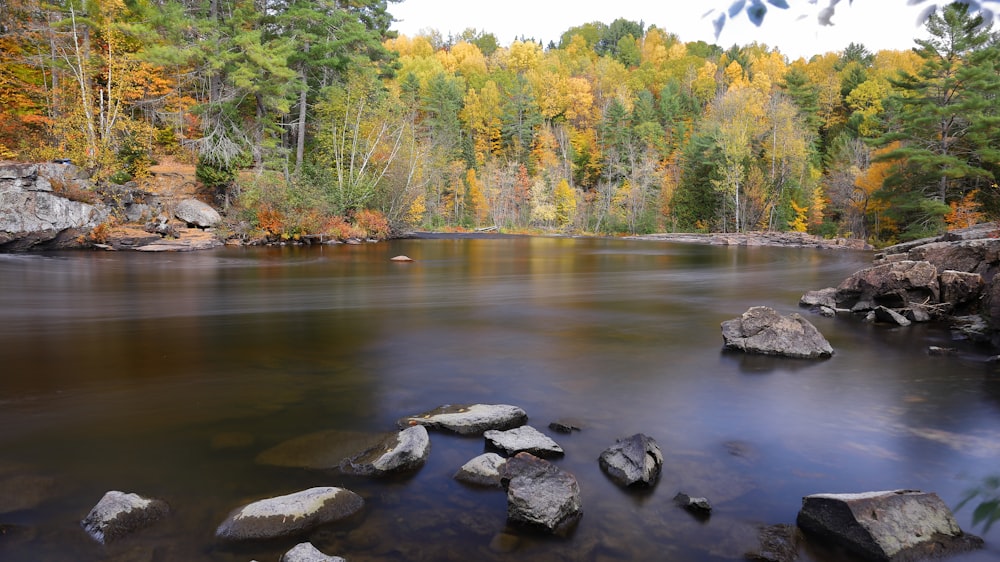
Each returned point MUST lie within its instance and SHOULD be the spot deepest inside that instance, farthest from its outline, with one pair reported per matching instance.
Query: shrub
(373, 223)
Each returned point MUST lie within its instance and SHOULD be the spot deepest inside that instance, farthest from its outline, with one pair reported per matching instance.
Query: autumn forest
(311, 117)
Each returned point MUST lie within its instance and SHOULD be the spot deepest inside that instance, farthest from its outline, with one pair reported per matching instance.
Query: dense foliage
(309, 115)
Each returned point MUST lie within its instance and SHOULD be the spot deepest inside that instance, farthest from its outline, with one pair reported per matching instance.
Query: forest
(311, 117)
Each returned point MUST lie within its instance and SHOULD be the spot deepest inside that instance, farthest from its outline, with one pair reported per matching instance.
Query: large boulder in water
(540, 495)
(763, 330)
(892, 525)
(469, 419)
(633, 461)
(118, 514)
(289, 514)
(402, 452)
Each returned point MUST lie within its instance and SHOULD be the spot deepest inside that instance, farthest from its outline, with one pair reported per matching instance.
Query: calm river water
(169, 375)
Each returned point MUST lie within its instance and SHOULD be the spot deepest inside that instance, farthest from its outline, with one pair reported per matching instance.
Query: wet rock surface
(118, 514)
(523, 439)
(633, 461)
(892, 525)
(306, 552)
(289, 514)
(405, 451)
(764, 331)
(469, 419)
(483, 470)
(540, 495)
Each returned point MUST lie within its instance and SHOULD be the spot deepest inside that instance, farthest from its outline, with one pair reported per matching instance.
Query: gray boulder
(306, 552)
(540, 495)
(762, 330)
(289, 514)
(959, 288)
(402, 452)
(33, 216)
(469, 419)
(118, 514)
(633, 461)
(893, 285)
(196, 213)
(483, 470)
(891, 525)
(523, 439)
(889, 316)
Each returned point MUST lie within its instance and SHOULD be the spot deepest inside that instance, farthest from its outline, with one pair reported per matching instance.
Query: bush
(213, 175)
(373, 223)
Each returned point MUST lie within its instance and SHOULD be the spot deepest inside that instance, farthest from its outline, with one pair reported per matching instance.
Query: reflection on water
(168, 375)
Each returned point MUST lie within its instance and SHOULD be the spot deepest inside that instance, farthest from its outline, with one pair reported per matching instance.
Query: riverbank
(784, 239)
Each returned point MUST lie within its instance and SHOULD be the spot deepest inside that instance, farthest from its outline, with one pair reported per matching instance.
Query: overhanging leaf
(736, 7)
(781, 4)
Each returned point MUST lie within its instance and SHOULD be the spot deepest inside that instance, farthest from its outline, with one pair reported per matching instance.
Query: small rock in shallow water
(401, 258)
(469, 419)
(697, 506)
(118, 514)
(306, 552)
(483, 470)
(289, 514)
(633, 461)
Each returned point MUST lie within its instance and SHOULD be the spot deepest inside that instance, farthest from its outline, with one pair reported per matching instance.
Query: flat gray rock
(289, 514)
(401, 452)
(483, 470)
(320, 450)
(306, 552)
(893, 525)
(469, 419)
(523, 439)
(118, 514)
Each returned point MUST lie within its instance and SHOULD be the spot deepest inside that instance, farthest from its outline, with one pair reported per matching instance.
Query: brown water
(167, 375)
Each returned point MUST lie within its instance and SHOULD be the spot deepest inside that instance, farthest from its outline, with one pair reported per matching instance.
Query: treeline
(311, 117)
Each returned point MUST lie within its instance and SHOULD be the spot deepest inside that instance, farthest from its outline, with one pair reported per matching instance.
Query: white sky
(876, 24)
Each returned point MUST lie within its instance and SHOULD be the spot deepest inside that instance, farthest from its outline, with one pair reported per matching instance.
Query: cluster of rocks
(950, 278)
(785, 239)
(542, 497)
(54, 206)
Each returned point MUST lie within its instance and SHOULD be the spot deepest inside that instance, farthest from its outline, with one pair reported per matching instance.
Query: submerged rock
(118, 514)
(483, 470)
(891, 525)
(633, 461)
(763, 330)
(778, 543)
(469, 419)
(289, 514)
(306, 552)
(320, 450)
(540, 495)
(523, 439)
(401, 452)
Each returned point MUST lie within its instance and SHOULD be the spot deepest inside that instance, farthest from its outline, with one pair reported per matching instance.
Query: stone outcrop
(540, 495)
(469, 419)
(763, 330)
(892, 525)
(195, 213)
(950, 278)
(483, 470)
(405, 451)
(523, 439)
(306, 552)
(633, 461)
(289, 514)
(34, 216)
(118, 514)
